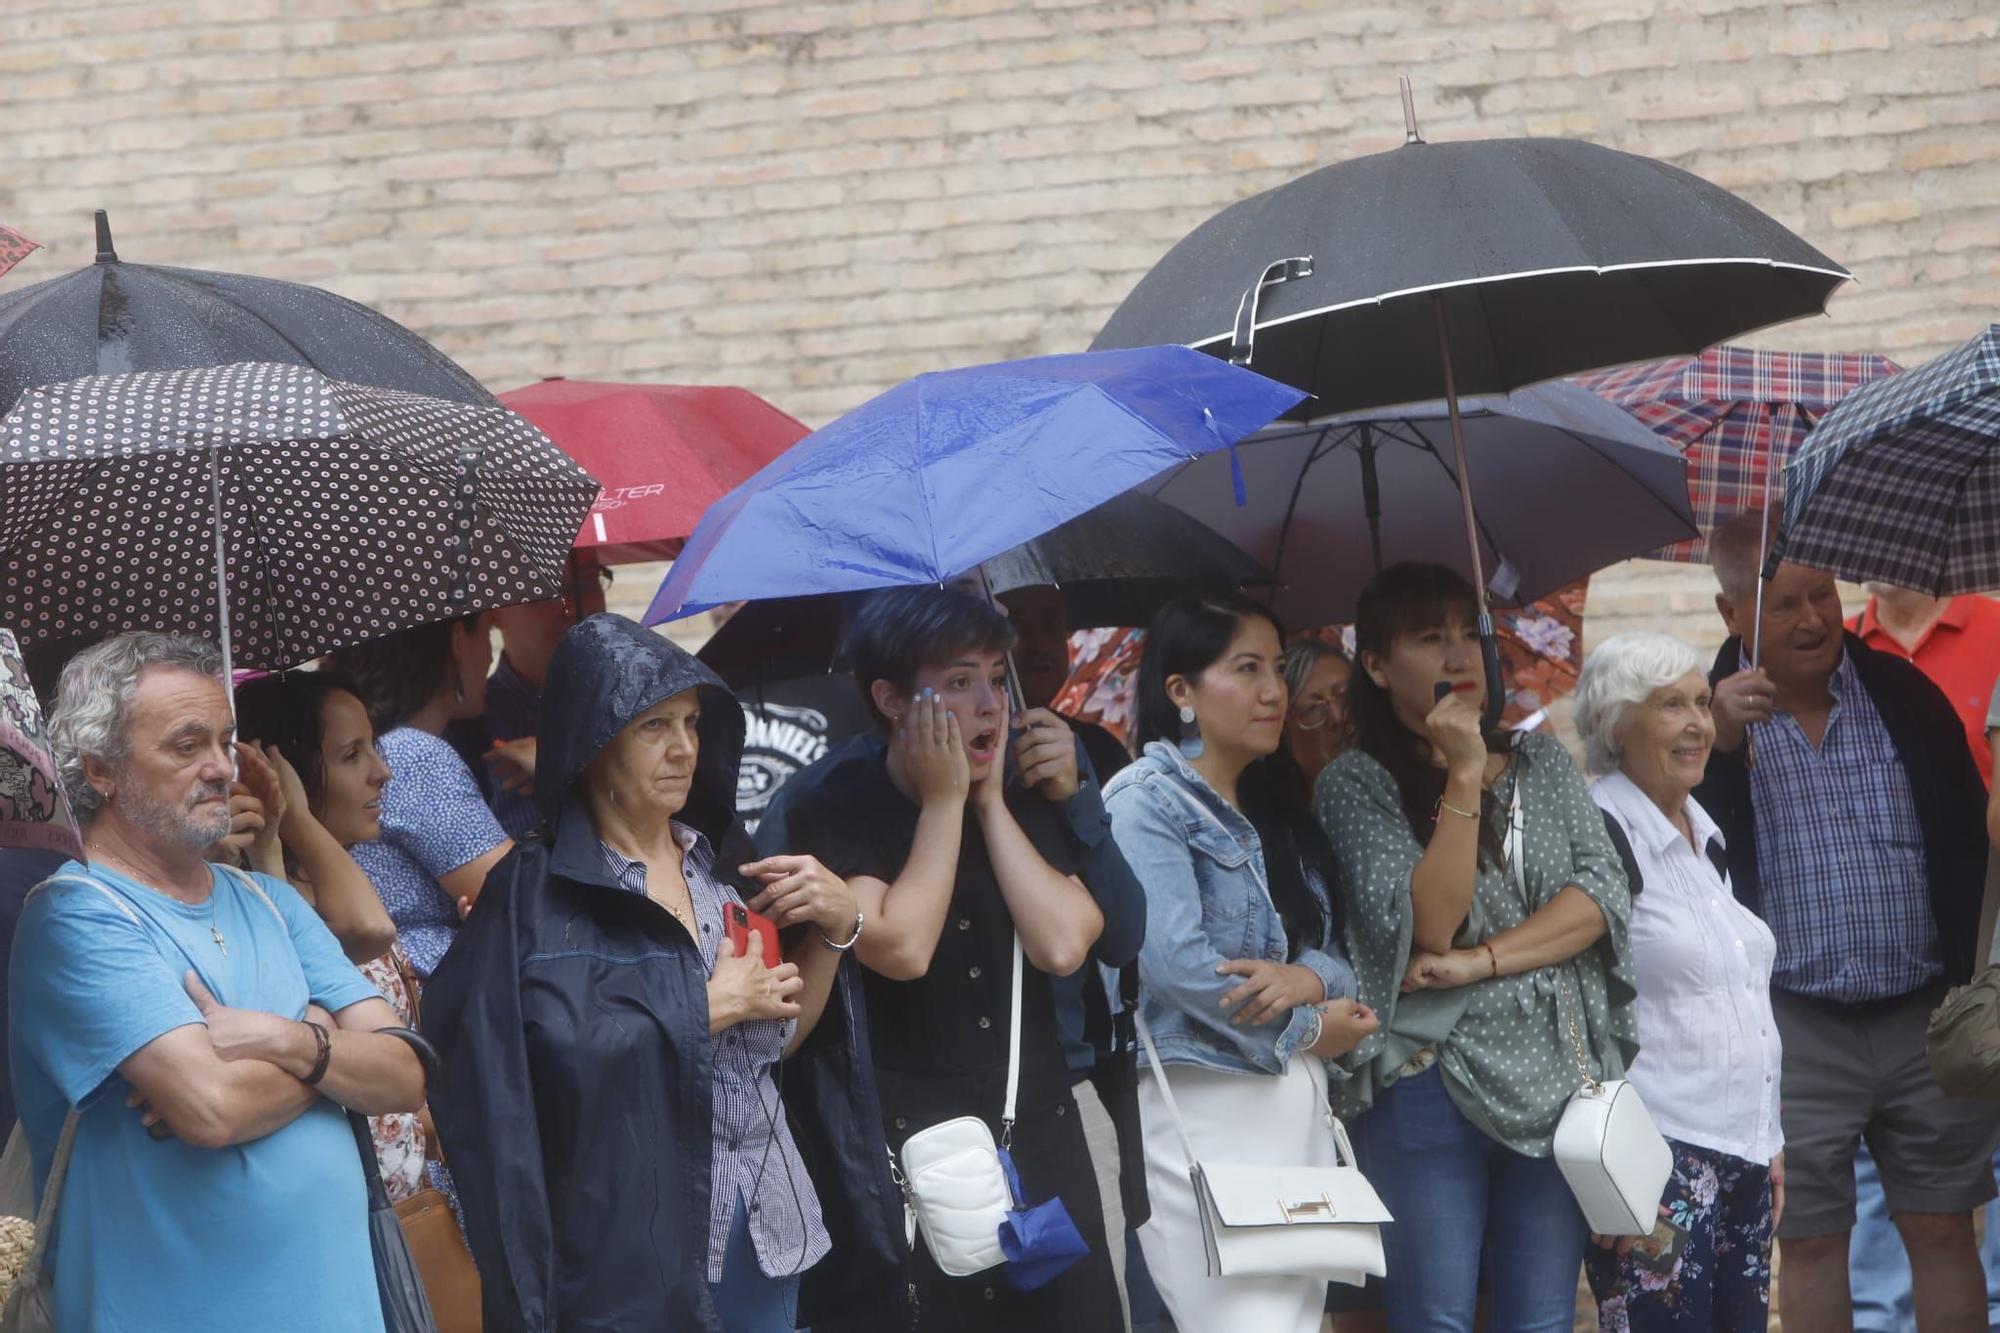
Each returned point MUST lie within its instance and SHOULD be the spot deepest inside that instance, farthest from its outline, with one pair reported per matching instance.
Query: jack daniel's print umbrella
(333, 512)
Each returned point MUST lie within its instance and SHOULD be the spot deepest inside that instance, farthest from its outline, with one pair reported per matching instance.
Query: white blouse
(1708, 1047)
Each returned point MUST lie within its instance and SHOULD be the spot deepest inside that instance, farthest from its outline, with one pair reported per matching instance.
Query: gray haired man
(200, 1024)
(1855, 824)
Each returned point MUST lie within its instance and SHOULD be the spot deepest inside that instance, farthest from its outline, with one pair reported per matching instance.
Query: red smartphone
(743, 923)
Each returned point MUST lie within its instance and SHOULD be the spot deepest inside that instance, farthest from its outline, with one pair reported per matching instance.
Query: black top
(940, 1042)
(1950, 798)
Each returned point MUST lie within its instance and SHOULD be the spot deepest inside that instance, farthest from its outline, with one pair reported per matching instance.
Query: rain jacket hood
(605, 673)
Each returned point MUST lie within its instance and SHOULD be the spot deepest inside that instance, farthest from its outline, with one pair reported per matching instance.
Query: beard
(179, 824)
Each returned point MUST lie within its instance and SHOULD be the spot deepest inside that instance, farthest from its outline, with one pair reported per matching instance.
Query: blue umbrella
(950, 469)
(1900, 483)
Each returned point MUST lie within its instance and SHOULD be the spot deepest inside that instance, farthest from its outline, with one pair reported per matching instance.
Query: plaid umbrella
(1734, 412)
(1901, 483)
(340, 512)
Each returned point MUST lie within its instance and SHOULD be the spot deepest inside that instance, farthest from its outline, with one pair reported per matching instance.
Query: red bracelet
(1494, 958)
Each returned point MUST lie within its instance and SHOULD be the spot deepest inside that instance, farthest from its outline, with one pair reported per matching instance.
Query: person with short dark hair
(949, 858)
(1243, 986)
(1091, 1003)
(1855, 822)
(439, 838)
(1486, 912)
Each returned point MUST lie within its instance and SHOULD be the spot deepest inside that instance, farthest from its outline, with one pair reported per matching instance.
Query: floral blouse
(1502, 1044)
(399, 1138)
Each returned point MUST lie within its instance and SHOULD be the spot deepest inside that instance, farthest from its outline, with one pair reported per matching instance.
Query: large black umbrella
(335, 512)
(1569, 484)
(1115, 564)
(114, 316)
(1435, 270)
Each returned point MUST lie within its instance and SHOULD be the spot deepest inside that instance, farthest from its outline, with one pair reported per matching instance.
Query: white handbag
(1609, 1151)
(954, 1190)
(1282, 1221)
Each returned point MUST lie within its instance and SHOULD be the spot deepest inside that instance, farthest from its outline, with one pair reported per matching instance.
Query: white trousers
(1102, 1136)
(1278, 1120)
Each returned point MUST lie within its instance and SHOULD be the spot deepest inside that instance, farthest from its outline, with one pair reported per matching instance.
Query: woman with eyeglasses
(1318, 727)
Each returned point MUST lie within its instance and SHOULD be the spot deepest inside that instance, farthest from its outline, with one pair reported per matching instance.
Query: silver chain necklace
(214, 932)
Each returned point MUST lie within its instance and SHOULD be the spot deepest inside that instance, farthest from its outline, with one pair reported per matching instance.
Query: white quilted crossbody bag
(953, 1187)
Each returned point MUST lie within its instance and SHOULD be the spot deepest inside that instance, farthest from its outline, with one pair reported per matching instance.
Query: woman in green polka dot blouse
(1473, 965)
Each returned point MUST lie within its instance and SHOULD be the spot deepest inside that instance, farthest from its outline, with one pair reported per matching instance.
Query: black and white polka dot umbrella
(345, 512)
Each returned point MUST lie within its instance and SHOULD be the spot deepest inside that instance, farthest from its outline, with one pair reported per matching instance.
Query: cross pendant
(218, 941)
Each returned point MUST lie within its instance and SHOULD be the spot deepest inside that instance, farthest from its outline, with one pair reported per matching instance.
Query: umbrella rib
(1589, 443)
(1458, 483)
(1313, 455)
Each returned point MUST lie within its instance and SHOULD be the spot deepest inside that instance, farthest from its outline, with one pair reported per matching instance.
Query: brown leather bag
(451, 1280)
(445, 1265)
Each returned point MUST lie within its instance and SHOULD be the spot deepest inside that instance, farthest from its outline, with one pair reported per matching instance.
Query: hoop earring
(1190, 742)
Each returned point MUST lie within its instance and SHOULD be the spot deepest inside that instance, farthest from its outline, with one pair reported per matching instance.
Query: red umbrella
(664, 452)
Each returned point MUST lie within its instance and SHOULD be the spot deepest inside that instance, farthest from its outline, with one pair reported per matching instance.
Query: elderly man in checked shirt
(1855, 824)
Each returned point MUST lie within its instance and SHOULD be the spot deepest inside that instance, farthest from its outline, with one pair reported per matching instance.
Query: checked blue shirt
(751, 1156)
(1840, 855)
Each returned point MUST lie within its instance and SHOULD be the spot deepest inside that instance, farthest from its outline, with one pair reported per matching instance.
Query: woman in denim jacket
(1242, 984)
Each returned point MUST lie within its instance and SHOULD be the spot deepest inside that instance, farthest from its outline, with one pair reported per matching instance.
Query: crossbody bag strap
(1013, 1050)
(45, 1216)
(1166, 1088)
(1567, 1000)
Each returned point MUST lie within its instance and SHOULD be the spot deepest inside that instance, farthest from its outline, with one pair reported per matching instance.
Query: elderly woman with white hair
(1708, 1048)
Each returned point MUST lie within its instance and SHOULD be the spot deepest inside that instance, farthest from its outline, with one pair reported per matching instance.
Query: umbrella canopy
(114, 316)
(949, 469)
(1738, 413)
(1901, 483)
(1566, 484)
(346, 511)
(1115, 565)
(664, 452)
(1541, 257)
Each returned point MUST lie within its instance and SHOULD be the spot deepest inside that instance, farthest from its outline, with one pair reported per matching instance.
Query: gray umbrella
(113, 316)
(1471, 268)
(1568, 484)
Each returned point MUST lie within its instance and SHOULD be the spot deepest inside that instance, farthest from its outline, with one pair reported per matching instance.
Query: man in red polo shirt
(1955, 641)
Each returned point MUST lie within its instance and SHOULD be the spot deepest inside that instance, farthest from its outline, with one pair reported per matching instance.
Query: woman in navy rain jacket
(580, 1085)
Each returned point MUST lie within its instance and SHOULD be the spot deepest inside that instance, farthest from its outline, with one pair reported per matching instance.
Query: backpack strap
(1622, 844)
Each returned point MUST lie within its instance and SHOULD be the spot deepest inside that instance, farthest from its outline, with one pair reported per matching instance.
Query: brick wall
(818, 200)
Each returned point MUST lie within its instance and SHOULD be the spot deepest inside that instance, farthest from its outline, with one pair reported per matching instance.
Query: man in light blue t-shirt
(203, 1023)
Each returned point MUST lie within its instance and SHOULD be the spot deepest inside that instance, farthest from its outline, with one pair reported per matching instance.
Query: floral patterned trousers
(1715, 1224)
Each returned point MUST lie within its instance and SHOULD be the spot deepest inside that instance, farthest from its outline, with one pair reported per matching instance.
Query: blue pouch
(1041, 1241)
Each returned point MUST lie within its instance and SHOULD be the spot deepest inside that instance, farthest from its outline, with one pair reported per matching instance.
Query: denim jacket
(1207, 902)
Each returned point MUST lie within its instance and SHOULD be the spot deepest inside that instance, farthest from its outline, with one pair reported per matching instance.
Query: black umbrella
(114, 316)
(332, 512)
(1115, 565)
(1477, 267)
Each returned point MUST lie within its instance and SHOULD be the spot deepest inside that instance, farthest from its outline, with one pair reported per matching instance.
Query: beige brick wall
(818, 200)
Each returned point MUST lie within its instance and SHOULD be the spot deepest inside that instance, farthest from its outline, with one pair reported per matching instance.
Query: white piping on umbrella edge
(1382, 297)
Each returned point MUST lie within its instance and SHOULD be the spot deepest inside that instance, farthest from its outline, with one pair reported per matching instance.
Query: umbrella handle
(1241, 341)
(1496, 693)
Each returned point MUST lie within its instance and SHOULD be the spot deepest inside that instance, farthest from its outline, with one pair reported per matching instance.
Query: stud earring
(1190, 741)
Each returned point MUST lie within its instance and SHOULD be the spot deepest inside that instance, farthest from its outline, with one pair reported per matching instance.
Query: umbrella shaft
(1458, 452)
(221, 571)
